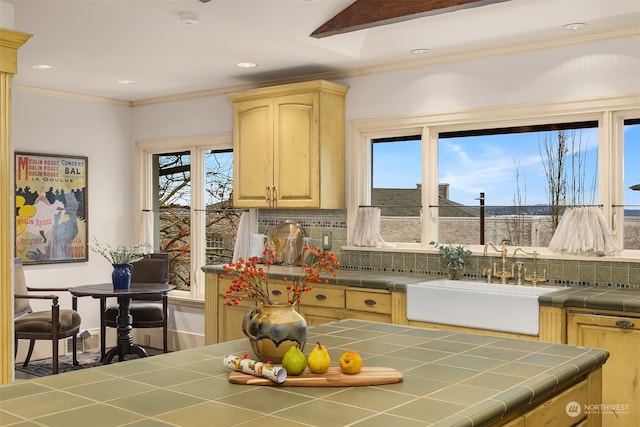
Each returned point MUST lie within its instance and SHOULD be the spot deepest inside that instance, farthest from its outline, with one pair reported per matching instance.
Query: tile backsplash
(313, 222)
(561, 272)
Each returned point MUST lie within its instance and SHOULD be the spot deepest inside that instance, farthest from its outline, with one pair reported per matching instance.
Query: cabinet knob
(276, 292)
(321, 297)
(274, 198)
(267, 195)
(625, 324)
(370, 302)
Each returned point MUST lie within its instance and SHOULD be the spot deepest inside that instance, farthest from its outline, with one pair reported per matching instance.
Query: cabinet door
(620, 336)
(296, 152)
(253, 153)
(230, 319)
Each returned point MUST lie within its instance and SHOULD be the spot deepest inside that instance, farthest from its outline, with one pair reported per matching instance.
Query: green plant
(120, 255)
(455, 256)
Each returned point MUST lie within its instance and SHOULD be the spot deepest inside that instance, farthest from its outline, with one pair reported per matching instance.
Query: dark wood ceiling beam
(363, 14)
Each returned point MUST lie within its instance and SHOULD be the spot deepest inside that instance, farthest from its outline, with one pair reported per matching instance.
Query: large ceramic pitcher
(257, 243)
(273, 329)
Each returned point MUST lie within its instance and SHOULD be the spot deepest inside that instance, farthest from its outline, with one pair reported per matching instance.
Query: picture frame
(51, 208)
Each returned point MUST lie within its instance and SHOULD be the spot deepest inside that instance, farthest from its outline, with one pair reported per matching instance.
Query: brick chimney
(443, 191)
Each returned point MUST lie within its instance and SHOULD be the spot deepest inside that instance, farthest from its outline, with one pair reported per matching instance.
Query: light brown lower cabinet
(230, 319)
(563, 410)
(619, 334)
(324, 303)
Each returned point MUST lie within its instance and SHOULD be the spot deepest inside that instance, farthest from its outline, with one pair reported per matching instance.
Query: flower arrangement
(250, 279)
(119, 255)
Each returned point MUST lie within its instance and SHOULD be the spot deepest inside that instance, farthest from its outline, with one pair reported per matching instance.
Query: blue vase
(121, 276)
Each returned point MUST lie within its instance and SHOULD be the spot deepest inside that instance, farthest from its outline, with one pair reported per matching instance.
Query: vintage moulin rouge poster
(51, 208)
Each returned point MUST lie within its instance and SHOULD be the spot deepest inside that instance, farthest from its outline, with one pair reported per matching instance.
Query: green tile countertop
(450, 378)
(580, 296)
(356, 278)
(597, 298)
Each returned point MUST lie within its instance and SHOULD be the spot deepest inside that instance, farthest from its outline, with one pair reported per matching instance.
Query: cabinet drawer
(318, 296)
(324, 297)
(278, 292)
(369, 300)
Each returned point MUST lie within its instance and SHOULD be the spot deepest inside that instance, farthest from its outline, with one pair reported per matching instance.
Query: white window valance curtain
(583, 231)
(367, 229)
(248, 224)
(146, 232)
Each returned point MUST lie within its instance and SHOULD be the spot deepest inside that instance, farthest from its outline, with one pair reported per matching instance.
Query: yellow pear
(318, 360)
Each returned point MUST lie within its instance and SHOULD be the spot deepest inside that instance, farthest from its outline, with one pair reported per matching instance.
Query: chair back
(21, 306)
(153, 268)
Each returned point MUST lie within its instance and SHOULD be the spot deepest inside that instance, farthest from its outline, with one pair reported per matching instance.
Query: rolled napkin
(276, 374)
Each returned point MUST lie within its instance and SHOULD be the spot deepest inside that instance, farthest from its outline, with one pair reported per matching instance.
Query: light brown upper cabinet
(289, 146)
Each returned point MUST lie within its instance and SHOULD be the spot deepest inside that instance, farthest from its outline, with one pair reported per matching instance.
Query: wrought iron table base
(124, 343)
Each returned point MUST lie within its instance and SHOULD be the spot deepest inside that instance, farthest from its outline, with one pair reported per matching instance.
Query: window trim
(197, 146)
(610, 113)
(618, 118)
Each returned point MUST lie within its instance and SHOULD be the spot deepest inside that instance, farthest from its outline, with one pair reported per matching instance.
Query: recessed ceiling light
(246, 65)
(420, 51)
(574, 26)
(43, 67)
(126, 82)
(188, 18)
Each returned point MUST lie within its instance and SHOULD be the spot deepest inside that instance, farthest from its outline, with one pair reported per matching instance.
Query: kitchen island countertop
(450, 378)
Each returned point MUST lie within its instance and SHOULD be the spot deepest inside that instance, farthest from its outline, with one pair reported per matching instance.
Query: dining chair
(147, 311)
(53, 325)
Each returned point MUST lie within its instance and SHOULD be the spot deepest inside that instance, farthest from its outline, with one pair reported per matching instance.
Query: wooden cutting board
(334, 377)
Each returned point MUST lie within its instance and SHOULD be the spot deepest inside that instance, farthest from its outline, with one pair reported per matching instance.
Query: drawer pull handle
(276, 292)
(625, 324)
(321, 297)
(370, 302)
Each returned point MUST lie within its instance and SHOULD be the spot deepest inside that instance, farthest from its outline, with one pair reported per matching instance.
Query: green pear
(294, 361)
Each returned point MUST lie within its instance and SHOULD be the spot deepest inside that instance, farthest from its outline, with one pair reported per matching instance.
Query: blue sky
(488, 164)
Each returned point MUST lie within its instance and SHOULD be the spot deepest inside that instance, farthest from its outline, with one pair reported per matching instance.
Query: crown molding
(337, 75)
(71, 95)
(10, 42)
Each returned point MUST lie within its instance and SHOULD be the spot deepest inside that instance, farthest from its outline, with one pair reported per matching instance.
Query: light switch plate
(326, 240)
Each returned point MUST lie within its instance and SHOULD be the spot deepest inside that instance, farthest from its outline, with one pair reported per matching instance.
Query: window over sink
(427, 173)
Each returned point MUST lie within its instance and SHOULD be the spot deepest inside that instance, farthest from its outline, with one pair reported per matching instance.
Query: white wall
(106, 132)
(199, 116)
(100, 131)
(568, 73)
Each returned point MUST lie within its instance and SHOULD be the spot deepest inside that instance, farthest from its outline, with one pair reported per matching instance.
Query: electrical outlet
(326, 240)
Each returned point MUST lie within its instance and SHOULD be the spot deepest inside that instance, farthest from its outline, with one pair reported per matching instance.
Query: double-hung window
(186, 185)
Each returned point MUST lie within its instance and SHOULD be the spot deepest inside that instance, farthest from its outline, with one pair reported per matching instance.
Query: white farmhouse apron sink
(494, 307)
